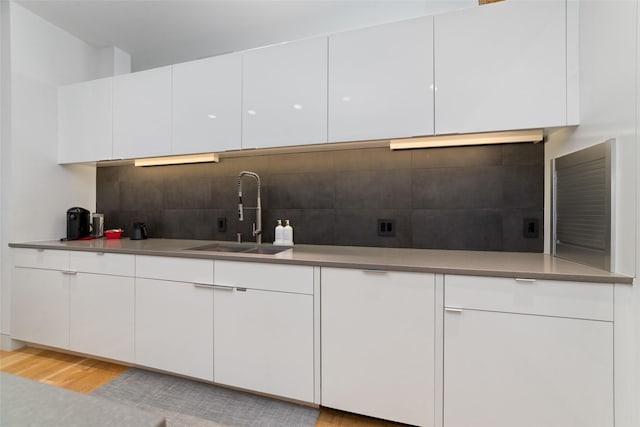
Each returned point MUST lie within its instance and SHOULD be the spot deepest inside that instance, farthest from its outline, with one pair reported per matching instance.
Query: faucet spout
(257, 226)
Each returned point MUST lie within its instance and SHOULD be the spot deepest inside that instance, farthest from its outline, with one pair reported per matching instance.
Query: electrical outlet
(386, 227)
(530, 228)
(222, 224)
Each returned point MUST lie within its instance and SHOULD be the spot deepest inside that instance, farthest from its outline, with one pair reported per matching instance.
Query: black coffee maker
(78, 220)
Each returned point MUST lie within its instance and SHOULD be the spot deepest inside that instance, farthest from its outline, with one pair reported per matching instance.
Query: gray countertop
(477, 263)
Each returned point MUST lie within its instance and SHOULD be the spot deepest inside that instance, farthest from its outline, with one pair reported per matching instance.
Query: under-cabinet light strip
(177, 160)
(535, 135)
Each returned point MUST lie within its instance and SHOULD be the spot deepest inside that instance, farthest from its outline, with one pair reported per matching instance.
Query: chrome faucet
(257, 226)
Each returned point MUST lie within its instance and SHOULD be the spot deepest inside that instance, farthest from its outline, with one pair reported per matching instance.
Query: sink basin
(240, 248)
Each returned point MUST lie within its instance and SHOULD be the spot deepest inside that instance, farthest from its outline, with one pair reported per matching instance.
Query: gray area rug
(186, 403)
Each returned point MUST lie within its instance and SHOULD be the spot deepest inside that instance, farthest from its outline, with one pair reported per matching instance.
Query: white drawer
(175, 269)
(102, 263)
(49, 259)
(365, 277)
(266, 276)
(529, 296)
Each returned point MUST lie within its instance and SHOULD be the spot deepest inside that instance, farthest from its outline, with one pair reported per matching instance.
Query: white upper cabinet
(380, 81)
(284, 94)
(85, 119)
(501, 66)
(142, 114)
(206, 105)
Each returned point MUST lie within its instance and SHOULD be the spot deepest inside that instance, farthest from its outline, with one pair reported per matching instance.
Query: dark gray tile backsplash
(473, 198)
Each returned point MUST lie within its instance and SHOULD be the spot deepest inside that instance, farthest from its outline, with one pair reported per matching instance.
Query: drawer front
(41, 258)
(102, 263)
(364, 277)
(269, 277)
(530, 296)
(175, 269)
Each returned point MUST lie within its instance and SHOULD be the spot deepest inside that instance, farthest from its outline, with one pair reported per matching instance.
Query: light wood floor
(84, 375)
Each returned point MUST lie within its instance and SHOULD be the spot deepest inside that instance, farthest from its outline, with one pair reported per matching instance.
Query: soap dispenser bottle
(279, 234)
(288, 234)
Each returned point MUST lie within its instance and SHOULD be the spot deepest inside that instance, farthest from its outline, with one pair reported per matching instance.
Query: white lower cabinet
(101, 315)
(40, 297)
(518, 368)
(174, 319)
(264, 328)
(264, 341)
(40, 306)
(174, 327)
(101, 304)
(505, 353)
(378, 344)
(66, 299)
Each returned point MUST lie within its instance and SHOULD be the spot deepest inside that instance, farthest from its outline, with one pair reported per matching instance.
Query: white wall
(113, 62)
(36, 192)
(608, 109)
(4, 128)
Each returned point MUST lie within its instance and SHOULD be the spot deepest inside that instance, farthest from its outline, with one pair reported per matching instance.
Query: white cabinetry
(40, 297)
(85, 121)
(174, 315)
(378, 344)
(527, 353)
(381, 80)
(284, 94)
(502, 66)
(101, 304)
(206, 105)
(142, 114)
(263, 328)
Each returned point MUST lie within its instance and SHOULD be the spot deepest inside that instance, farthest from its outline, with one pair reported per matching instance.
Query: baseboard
(8, 344)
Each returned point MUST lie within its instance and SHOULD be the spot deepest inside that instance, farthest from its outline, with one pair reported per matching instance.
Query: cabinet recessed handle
(71, 273)
(100, 253)
(374, 271)
(453, 310)
(202, 285)
(523, 280)
(222, 288)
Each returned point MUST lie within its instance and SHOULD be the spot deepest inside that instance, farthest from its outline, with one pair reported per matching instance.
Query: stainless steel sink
(240, 248)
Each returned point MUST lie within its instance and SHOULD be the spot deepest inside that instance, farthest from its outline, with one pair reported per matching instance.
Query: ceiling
(163, 32)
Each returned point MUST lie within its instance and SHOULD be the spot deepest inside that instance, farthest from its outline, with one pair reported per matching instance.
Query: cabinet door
(264, 342)
(85, 121)
(378, 344)
(142, 114)
(284, 94)
(174, 327)
(101, 315)
(40, 306)
(380, 81)
(505, 370)
(506, 70)
(207, 105)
